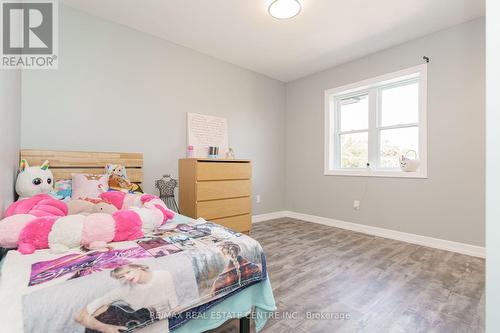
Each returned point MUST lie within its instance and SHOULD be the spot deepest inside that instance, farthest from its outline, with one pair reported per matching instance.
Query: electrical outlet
(356, 204)
(257, 198)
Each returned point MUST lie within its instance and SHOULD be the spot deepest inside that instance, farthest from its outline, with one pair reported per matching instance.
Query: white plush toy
(66, 233)
(33, 180)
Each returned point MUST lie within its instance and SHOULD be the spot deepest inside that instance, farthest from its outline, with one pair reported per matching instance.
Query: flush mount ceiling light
(284, 9)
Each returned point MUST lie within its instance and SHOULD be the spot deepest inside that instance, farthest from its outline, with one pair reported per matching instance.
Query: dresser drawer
(223, 189)
(222, 208)
(239, 223)
(223, 170)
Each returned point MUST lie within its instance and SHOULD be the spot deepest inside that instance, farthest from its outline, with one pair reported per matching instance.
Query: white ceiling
(326, 33)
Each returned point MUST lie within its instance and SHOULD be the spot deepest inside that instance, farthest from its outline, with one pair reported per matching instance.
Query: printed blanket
(131, 285)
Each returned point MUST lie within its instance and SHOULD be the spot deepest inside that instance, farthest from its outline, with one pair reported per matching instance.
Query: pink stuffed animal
(123, 200)
(128, 225)
(11, 227)
(38, 205)
(23, 212)
(41, 222)
(85, 207)
(35, 234)
(115, 198)
(98, 230)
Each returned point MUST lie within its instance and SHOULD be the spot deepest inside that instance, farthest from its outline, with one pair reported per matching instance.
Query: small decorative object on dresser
(190, 151)
(217, 190)
(230, 154)
(213, 152)
(166, 185)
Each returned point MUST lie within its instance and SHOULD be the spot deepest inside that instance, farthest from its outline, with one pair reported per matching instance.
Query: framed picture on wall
(207, 131)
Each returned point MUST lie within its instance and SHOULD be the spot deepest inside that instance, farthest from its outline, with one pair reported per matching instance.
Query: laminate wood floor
(384, 285)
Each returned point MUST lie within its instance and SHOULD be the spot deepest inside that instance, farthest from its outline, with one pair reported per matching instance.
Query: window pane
(354, 113)
(400, 105)
(397, 142)
(354, 150)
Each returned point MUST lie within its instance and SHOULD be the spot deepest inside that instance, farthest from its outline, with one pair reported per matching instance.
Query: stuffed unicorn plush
(33, 180)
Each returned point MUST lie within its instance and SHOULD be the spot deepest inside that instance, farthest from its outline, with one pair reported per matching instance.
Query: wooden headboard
(64, 163)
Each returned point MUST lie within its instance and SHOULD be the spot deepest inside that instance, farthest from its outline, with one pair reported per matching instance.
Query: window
(370, 124)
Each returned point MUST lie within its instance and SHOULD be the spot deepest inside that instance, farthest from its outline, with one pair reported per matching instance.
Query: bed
(199, 274)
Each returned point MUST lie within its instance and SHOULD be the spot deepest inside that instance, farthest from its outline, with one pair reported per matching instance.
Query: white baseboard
(442, 244)
(268, 216)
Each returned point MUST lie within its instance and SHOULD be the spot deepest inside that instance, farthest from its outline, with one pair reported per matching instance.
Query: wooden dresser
(217, 190)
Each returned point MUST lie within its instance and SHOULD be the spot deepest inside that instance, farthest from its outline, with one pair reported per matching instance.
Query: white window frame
(372, 87)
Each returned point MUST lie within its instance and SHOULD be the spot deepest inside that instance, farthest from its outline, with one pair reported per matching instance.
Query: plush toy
(128, 225)
(35, 235)
(11, 227)
(90, 206)
(33, 180)
(128, 200)
(38, 205)
(119, 181)
(66, 233)
(99, 229)
(52, 229)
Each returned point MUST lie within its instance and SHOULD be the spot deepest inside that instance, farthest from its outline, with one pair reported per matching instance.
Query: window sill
(376, 173)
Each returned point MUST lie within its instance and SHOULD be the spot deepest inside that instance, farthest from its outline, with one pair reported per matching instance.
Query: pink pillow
(88, 186)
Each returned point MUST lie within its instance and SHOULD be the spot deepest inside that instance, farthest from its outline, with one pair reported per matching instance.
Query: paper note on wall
(207, 131)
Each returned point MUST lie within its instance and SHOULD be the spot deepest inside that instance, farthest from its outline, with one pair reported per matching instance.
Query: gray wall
(450, 203)
(10, 120)
(118, 89)
(492, 165)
